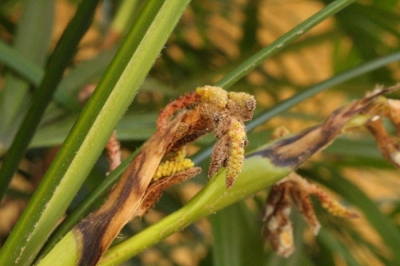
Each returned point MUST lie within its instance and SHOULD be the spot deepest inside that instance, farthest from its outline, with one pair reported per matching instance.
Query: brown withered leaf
(294, 189)
(156, 188)
(292, 151)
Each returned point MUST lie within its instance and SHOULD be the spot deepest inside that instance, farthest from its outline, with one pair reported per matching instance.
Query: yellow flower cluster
(337, 209)
(175, 164)
(330, 204)
(241, 105)
(214, 95)
(240, 98)
(237, 135)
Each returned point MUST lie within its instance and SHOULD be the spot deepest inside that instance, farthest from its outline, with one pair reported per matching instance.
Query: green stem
(254, 61)
(84, 144)
(209, 200)
(329, 83)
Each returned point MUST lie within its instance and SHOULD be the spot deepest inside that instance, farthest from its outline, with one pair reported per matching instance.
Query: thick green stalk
(87, 139)
(254, 61)
(58, 62)
(257, 173)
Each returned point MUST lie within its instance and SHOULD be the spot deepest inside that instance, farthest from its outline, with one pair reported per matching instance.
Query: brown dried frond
(155, 189)
(276, 211)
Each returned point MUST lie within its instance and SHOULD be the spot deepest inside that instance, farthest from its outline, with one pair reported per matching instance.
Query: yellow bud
(169, 168)
(214, 95)
(237, 135)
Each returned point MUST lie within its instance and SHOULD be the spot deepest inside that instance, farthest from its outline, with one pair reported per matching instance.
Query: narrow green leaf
(58, 62)
(19, 63)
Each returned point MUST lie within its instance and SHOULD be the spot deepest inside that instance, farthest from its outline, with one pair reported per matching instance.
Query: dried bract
(213, 109)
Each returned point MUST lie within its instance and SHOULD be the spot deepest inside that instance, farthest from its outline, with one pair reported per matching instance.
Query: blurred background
(211, 39)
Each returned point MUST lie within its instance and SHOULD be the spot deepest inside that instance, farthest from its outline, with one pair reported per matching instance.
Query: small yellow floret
(169, 168)
(237, 135)
(214, 95)
(240, 98)
(179, 154)
(338, 210)
(330, 204)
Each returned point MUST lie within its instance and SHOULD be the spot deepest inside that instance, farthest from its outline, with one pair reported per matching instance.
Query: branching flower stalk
(184, 120)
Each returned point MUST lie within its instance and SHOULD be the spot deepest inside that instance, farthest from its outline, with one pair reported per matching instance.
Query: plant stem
(209, 200)
(324, 85)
